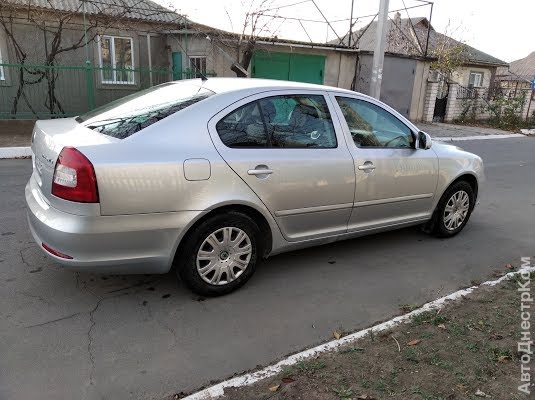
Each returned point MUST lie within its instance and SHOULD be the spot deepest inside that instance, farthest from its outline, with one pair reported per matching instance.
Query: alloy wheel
(456, 210)
(224, 255)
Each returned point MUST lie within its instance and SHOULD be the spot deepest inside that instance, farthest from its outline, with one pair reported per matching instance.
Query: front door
(395, 182)
(177, 65)
(291, 153)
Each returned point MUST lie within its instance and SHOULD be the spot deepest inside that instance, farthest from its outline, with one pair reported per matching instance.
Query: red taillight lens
(74, 177)
(55, 252)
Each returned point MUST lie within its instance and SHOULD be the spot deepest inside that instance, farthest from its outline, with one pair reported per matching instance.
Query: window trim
(114, 64)
(413, 134)
(480, 78)
(256, 99)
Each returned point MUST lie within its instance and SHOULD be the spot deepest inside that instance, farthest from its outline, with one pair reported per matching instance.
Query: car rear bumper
(122, 244)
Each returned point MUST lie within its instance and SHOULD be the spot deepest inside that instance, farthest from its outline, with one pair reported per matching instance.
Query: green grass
(310, 366)
(343, 392)
(429, 317)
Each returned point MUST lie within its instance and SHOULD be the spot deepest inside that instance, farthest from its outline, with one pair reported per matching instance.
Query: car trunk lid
(48, 139)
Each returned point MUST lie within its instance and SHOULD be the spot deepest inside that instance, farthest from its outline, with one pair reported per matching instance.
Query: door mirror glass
(424, 141)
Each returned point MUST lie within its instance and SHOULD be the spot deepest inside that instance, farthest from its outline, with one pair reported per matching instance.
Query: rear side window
(292, 121)
(243, 128)
(128, 115)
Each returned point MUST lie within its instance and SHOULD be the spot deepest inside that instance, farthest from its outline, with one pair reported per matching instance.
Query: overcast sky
(503, 29)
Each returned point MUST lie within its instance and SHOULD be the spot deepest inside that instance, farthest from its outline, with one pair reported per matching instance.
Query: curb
(216, 391)
(480, 137)
(15, 152)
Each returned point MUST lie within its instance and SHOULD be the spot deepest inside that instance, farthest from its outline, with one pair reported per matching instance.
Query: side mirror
(423, 141)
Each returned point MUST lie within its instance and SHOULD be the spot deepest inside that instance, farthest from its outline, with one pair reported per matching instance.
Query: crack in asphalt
(90, 341)
(54, 320)
(142, 283)
(21, 253)
(163, 325)
(90, 336)
(34, 296)
(77, 280)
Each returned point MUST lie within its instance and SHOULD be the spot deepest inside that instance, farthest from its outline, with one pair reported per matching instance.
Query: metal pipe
(350, 24)
(149, 59)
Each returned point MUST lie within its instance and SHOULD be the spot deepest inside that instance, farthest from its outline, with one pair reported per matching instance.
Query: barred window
(198, 66)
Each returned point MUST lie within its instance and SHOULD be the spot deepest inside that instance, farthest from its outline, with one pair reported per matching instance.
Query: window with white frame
(198, 66)
(2, 75)
(117, 60)
(475, 79)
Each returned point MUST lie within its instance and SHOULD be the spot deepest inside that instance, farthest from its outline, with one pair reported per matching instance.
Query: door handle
(367, 166)
(260, 170)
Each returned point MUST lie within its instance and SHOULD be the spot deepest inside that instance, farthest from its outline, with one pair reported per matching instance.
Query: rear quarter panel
(145, 172)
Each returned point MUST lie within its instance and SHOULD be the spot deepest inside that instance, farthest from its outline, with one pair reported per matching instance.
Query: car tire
(453, 210)
(215, 258)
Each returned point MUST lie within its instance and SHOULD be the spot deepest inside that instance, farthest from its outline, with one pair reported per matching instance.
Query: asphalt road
(74, 336)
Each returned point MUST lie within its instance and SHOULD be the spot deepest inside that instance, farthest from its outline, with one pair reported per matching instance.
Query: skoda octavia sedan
(208, 177)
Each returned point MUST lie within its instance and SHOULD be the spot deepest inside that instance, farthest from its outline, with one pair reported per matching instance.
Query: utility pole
(350, 24)
(379, 50)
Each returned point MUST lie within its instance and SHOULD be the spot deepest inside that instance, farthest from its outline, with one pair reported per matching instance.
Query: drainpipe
(88, 71)
(150, 59)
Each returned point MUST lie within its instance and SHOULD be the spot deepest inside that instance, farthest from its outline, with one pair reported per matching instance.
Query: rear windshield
(128, 115)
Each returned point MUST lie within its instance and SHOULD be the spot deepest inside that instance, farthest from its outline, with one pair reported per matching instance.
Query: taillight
(74, 177)
(55, 252)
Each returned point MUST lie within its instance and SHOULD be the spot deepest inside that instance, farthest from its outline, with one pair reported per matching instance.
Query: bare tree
(52, 20)
(450, 53)
(257, 24)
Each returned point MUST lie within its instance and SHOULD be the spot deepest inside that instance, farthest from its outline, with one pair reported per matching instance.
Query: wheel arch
(469, 178)
(247, 209)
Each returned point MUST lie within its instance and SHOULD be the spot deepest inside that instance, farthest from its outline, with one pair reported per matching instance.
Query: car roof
(224, 85)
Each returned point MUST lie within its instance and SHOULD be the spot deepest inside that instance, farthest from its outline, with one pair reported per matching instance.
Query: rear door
(290, 152)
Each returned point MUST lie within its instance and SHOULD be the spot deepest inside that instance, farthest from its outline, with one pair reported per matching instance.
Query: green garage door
(288, 67)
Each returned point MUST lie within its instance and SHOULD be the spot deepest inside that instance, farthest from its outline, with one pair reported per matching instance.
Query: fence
(46, 91)
(490, 93)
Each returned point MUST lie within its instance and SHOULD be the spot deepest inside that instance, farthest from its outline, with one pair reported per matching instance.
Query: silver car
(210, 176)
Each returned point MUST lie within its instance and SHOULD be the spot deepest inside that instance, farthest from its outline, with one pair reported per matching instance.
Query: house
(519, 75)
(131, 45)
(272, 58)
(61, 58)
(412, 46)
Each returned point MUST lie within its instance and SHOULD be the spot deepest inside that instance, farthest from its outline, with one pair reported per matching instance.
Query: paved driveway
(74, 336)
(440, 129)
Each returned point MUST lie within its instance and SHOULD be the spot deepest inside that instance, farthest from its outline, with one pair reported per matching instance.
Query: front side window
(116, 60)
(128, 115)
(475, 79)
(373, 126)
(292, 121)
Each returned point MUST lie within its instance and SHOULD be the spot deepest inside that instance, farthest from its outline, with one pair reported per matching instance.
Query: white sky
(504, 29)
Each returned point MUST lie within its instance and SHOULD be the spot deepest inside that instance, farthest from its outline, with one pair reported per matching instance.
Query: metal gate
(288, 66)
(441, 102)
